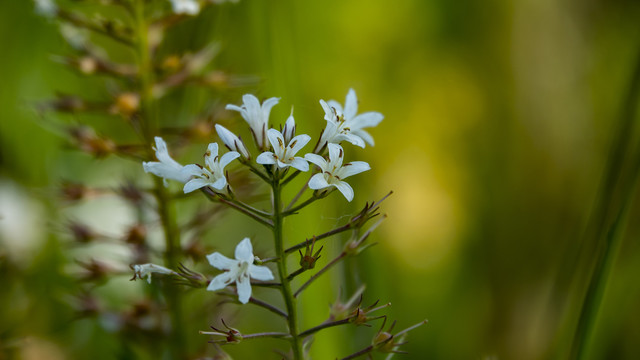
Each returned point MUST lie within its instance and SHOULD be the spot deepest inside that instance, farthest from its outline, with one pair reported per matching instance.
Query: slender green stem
(319, 273)
(296, 273)
(291, 177)
(267, 306)
(304, 204)
(364, 351)
(324, 325)
(167, 217)
(278, 219)
(247, 212)
(319, 237)
(234, 205)
(251, 208)
(298, 195)
(256, 170)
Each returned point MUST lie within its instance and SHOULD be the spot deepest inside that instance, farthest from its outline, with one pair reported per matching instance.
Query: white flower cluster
(279, 148)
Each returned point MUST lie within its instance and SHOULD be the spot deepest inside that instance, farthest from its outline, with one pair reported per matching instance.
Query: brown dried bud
(171, 63)
(89, 142)
(308, 260)
(195, 250)
(217, 79)
(71, 191)
(202, 129)
(131, 192)
(95, 270)
(136, 234)
(81, 233)
(68, 104)
(232, 336)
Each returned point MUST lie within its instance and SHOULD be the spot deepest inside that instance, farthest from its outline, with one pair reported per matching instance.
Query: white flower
(46, 8)
(147, 269)
(344, 124)
(232, 141)
(213, 174)
(166, 168)
(256, 115)
(189, 7)
(238, 270)
(285, 156)
(333, 171)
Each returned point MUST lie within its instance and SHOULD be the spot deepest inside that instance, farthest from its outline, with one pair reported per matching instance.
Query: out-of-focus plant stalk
(290, 302)
(148, 126)
(619, 185)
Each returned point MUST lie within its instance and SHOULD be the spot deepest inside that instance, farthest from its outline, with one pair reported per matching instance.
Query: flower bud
(126, 104)
(233, 142)
(308, 260)
(216, 79)
(289, 130)
(172, 63)
(88, 65)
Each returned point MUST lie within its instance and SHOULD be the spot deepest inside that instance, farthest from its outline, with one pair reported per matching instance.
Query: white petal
(194, 184)
(164, 171)
(368, 119)
(243, 285)
(219, 184)
(350, 105)
(329, 113)
(221, 262)
(211, 155)
(364, 136)
(262, 273)
(300, 164)
(316, 159)
(352, 138)
(352, 168)
(328, 134)
(252, 106)
(162, 153)
(191, 170)
(282, 165)
(336, 154)
(234, 108)
(277, 141)
(298, 143)
(266, 158)
(266, 108)
(227, 158)
(318, 182)
(221, 281)
(345, 189)
(244, 251)
(336, 105)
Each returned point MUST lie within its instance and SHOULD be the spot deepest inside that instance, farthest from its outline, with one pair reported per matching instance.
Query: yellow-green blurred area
(499, 119)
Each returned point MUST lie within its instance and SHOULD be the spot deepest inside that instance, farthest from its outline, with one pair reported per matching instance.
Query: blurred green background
(499, 117)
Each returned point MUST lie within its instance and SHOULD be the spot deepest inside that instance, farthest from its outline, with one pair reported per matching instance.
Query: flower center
(243, 270)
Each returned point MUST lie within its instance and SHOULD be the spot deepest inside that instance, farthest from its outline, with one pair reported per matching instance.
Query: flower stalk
(147, 123)
(278, 236)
